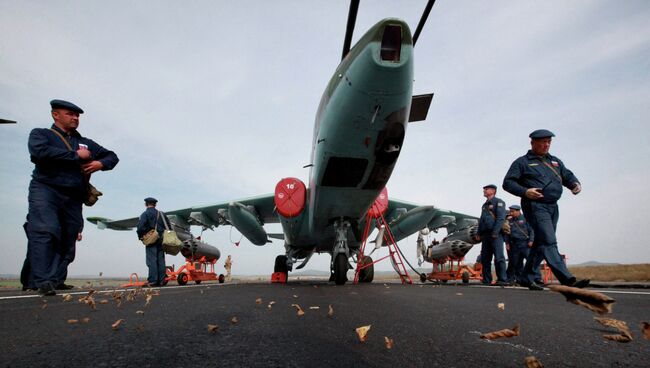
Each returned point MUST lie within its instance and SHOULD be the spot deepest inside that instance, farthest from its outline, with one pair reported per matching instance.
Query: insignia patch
(521, 222)
(555, 163)
(500, 204)
(533, 164)
(490, 206)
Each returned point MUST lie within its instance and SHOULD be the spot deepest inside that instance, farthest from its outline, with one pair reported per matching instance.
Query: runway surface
(430, 325)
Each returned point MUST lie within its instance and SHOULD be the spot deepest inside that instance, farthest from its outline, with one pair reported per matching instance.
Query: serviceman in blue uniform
(538, 178)
(518, 243)
(64, 161)
(150, 219)
(493, 214)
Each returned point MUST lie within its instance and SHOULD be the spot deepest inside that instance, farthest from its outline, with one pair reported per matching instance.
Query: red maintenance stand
(376, 215)
(195, 269)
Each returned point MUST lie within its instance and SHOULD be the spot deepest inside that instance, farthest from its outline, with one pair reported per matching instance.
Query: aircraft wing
(260, 208)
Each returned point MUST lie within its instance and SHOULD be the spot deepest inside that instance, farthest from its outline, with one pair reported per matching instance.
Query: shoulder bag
(171, 243)
(151, 237)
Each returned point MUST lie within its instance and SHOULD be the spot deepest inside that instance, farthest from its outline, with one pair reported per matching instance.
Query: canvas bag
(151, 237)
(92, 194)
(505, 228)
(171, 243)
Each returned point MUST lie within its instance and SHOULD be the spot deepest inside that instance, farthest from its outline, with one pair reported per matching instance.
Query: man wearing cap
(538, 178)
(64, 161)
(493, 214)
(150, 219)
(518, 242)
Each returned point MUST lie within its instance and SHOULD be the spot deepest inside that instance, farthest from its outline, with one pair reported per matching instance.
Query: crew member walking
(493, 214)
(537, 177)
(151, 219)
(64, 161)
(228, 266)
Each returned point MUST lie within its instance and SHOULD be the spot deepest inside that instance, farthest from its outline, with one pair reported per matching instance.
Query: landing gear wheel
(340, 269)
(197, 281)
(465, 277)
(182, 279)
(367, 274)
(444, 281)
(423, 277)
(222, 278)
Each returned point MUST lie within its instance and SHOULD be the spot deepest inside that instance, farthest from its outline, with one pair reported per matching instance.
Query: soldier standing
(518, 243)
(64, 161)
(538, 177)
(228, 265)
(493, 214)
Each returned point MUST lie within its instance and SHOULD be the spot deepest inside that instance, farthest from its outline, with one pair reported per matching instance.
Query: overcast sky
(210, 101)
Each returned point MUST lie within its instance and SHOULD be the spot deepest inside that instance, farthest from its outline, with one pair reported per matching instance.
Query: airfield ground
(431, 325)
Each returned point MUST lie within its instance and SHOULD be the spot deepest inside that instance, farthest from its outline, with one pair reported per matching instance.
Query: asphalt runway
(431, 326)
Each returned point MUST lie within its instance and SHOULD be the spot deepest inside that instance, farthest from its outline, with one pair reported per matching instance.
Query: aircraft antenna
(352, 19)
(423, 20)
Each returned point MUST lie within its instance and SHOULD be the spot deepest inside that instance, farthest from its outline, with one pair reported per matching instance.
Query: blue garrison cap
(150, 200)
(515, 207)
(61, 104)
(490, 186)
(541, 133)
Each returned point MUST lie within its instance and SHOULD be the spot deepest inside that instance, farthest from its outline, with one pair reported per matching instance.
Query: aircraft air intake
(391, 43)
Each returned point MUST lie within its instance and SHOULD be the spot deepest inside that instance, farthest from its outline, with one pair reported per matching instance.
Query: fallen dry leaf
(625, 334)
(619, 338)
(501, 333)
(148, 300)
(594, 301)
(213, 328)
(330, 312)
(73, 321)
(117, 324)
(234, 320)
(131, 296)
(85, 320)
(362, 332)
(295, 296)
(459, 293)
(44, 306)
(139, 312)
(118, 298)
(103, 301)
(501, 306)
(258, 301)
(201, 291)
(300, 311)
(314, 307)
(66, 297)
(315, 286)
(389, 342)
(532, 362)
(645, 328)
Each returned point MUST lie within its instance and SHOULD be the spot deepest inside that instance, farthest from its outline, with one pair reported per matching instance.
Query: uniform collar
(531, 156)
(73, 133)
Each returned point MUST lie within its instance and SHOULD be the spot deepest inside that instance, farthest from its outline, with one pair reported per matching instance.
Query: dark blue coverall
(521, 233)
(155, 256)
(493, 214)
(56, 194)
(532, 171)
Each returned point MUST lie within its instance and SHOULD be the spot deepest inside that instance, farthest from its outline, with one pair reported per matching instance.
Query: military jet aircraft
(358, 134)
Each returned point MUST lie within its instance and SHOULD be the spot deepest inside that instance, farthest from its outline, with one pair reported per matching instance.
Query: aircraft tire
(182, 278)
(340, 269)
(423, 277)
(222, 278)
(197, 281)
(367, 274)
(465, 277)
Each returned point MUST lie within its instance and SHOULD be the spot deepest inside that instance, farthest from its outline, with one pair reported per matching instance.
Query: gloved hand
(576, 188)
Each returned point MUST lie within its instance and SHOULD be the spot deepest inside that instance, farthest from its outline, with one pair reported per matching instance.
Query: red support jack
(376, 215)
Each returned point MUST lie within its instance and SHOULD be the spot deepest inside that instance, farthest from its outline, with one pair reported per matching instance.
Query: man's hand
(534, 193)
(84, 154)
(79, 237)
(508, 247)
(530, 244)
(91, 167)
(577, 188)
(477, 238)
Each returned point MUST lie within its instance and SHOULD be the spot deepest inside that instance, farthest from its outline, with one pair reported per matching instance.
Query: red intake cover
(290, 197)
(380, 205)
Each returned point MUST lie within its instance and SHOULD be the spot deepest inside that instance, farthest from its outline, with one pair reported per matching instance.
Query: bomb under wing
(454, 249)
